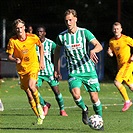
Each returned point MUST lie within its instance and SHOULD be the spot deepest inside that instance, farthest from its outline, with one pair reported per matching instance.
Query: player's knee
(55, 90)
(32, 87)
(75, 96)
(131, 87)
(116, 83)
(75, 93)
(94, 99)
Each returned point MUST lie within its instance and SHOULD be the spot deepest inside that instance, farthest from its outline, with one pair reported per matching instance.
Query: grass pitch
(18, 116)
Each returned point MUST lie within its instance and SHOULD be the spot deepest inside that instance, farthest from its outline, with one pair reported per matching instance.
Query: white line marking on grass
(64, 97)
(104, 105)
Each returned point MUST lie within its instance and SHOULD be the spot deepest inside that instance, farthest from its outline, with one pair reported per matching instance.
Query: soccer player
(21, 49)
(120, 45)
(48, 73)
(30, 29)
(80, 63)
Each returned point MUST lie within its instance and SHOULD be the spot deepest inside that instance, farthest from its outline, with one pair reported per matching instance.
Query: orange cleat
(63, 113)
(46, 108)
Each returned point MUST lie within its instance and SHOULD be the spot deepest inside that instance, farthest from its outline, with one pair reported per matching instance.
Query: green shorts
(90, 82)
(49, 79)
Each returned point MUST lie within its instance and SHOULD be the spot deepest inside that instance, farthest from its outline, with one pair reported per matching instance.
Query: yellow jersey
(121, 47)
(26, 51)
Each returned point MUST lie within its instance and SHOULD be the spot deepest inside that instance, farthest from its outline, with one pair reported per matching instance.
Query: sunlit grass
(18, 116)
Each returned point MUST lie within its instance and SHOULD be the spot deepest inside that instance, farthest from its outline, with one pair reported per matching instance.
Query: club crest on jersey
(80, 39)
(26, 59)
(117, 48)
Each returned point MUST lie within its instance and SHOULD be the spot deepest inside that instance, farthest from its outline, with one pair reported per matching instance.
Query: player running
(22, 50)
(48, 73)
(80, 63)
(120, 45)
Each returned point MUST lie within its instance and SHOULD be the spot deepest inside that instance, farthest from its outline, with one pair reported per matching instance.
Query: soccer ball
(95, 121)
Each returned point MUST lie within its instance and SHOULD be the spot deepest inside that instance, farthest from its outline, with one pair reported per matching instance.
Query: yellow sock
(33, 106)
(36, 97)
(123, 92)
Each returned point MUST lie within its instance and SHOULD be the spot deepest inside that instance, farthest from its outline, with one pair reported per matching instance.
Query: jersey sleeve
(89, 35)
(110, 44)
(38, 42)
(37, 50)
(130, 41)
(10, 47)
(53, 47)
(58, 40)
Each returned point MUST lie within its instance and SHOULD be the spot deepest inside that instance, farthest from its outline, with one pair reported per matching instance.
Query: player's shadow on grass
(54, 129)
(16, 115)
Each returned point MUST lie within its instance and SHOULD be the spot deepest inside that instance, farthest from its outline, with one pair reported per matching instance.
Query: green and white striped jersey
(49, 47)
(75, 45)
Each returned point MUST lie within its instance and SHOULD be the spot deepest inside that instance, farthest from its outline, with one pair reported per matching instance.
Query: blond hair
(69, 11)
(117, 23)
(17, 21)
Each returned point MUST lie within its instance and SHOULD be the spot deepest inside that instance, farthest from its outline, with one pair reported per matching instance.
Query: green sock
(98, 108)
(60, 101)
(42, 101)
(80, 103)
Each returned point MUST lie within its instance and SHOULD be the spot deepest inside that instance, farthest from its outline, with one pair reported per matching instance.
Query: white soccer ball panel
(95, 121)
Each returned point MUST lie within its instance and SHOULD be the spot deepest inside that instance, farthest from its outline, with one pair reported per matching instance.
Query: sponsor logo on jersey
(74, 46)
(117, 48)
(25, 51)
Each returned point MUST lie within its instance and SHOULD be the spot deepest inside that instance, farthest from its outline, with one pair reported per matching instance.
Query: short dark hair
(41, 26)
